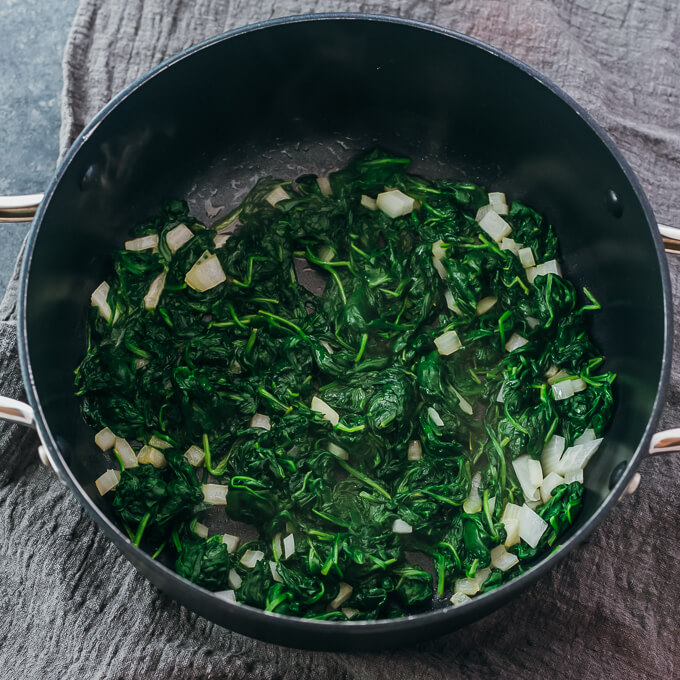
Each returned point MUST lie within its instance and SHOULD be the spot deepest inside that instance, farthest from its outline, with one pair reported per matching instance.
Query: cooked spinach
(390, 478)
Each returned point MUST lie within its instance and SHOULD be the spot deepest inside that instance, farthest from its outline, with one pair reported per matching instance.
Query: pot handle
(16, 411)
(19, 208)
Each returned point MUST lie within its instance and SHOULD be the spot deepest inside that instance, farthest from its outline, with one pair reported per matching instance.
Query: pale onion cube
(587, 436)
(227, 595)
(451, 303)
(178, 236)
(466, 586)
(251, 557)
(261, 421)
(326, 346)
(273, 568)
(473, 503)
(562, 390)
(521, 466)
(201, 530)
(195, 455)
(124, 451)
(551, 481)
(556, 376)
(512, 531)
(276, 195)
(578, 385)
(485, 304)
(324, 186)
(231, 542)
(532, 273)
(483, 211)
(206, 273)
(533, 504)
(511, 245)
(415, 450)
(438, 252)
(394, 203)
(495, 226)
(435, 417)
(460, 598)
(526, 257)
(329, 414)
(215, 494)
(344, 593)
(502, 559)
(234, 579)
(349, 612)
(140, 363)
(481, 575)
(578, 456)
(401, 527)
(368, 202)
(535, 472)
(550, 267)
(142, 243)
(532, 321)
(552, 453)
(220, 239)
(337, 451)
(148, 455)
(573, 475)
(492, 504)
(464, 404)
(439, 267)
(499, 397)
(326, 253)
(531, 526)
(498, 202)
(159, 443)
(515, 342)
(153, 295)
(105, 439)
(99, 300)
(288, 546)
(107, 481)
(511, 511)
(448, 343)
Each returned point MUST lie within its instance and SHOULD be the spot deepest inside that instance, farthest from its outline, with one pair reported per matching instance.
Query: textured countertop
(32, 39)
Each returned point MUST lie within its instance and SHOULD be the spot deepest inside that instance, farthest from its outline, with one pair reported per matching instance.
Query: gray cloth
(73, 607)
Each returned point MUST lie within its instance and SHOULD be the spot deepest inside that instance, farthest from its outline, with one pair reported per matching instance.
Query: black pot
(305, 94)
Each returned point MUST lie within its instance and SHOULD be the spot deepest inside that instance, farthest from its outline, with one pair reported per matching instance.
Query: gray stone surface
(32, 39)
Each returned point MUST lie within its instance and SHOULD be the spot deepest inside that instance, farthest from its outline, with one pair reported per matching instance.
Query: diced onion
(459, 598)
(262, 421)
(578, 456)
(330, 414)
(502, 559)
(511, 511)
(124, 451)
(140, 363)
(149, 455)
(562, 390)
(573, 475)
(451, 303)
(532, 321)
(344, 593)
(499, 397)
(195, 455)
(554, 375)
(533, 504)
(178, 236)
(485, 304)
(512, 531)
(159, 443)
(153, 295)
(251, 557)
(498, 202)
(483, 211)
(473, 503)
(99, 300)
(448, 343)
(466, 586)
(481, 575)
(515, 342)
(368, 202)
(107, 481)
(276, 195)
(578, 385)
(526, 257)
(551, 481)
(349, 612)
(511, 245)
(231, 542)
(464, 404)
(234, 579)
(587, 436)
(142, 243)
(535, 472)
(206, 273)
(394, 203)
(338, 451)
(531, 526)
(105, 439)
(495, 226)
(552, 452)
(227, 595)
(201, 530)
(220, 239)
(401, 527)
(215, 494)
(550, 267)
(435, 417)
(324, 186)
(415, 450)
(288, 546)
(273, 567)
(521, 466)
(438, 252)
(441, 270)
(492, 504)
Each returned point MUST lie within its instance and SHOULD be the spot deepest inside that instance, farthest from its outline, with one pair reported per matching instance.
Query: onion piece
(329, 414)
(178, 236)
(483, 211)
(337, 451)
(344, 593)
(573, 475)
(125, 453)
(535, 472)
(578, 385)
(401, 527)
(466, 586)
(201, 530)
(349, 612)
(324, 186)
(107, 481)
(448, 343)
(551, 481)
(578, 456)
(515, 342)
(234, 579)
(526, 257)
(394, 203)
(228, 595)
(105, 439)
(148, 455)
(511, 245)
(495, 226)
(550, 267)
(532, 321)
(251, 557)
(261, 421)
(554, 375)
(587, 436)
(552, 452)
(220, 239)
(99, 299)
(215, 494)
(451, 303)
(142, 243)
(463, 403)
(498, 202)
(511, 531)
(368, 202)
(459, 598)
(435, 417)
(195, 455)
(485, 304)
(415, 450)
(231, 542)
(206, 273)
(288, 546)
(473, 503)
(153, 295)
(276, 195)
(273, 567)
(159, 443)
(522, 467)
(438, 252)
(562, 390)
(531, 526)
(502, 559)
(511, 511)
(441, 270)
